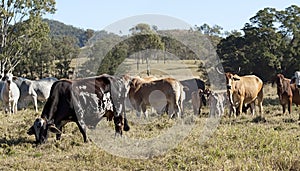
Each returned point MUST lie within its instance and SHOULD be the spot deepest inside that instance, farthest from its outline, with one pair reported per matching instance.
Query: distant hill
(59, 29)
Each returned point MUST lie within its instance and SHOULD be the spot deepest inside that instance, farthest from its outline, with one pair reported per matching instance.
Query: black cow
(85, 102)
(192, 85)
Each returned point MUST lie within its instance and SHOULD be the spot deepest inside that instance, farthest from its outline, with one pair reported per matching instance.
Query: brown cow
(159, 94)
(244, 90)
(287, 92)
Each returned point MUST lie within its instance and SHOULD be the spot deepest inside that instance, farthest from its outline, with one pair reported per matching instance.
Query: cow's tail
(126, 126)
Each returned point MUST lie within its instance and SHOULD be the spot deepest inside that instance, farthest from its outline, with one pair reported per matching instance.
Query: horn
(219, 71)
(239, 70)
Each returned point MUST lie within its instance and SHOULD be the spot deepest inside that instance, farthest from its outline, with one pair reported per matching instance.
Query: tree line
(37, 47)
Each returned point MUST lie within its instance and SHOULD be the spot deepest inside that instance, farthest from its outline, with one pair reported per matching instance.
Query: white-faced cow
(84, 101)
(162, 94)
(296, 78)
(10, 93)
(244, 90)
(35, 90)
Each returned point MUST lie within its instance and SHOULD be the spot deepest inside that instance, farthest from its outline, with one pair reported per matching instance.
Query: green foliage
(268, 46)
(21, 29)
(58, 29)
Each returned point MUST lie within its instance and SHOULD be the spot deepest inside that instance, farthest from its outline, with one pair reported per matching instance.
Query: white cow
(35, 90)
(10, 94)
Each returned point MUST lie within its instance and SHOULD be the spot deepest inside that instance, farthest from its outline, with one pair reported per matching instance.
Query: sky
(165, 14)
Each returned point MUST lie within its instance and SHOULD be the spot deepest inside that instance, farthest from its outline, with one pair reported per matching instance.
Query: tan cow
(163, 95)
(244, 90)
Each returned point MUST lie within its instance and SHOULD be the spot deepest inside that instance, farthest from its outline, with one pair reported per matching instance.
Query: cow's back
(250, 85)
(42, 87)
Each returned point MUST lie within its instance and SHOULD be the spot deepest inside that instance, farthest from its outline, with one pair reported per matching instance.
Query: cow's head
(279, 81)
(297, 78)
(40, 129)
(230, 79)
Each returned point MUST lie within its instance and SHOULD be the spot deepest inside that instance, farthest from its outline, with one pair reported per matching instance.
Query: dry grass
(244, 143)
(268, 142)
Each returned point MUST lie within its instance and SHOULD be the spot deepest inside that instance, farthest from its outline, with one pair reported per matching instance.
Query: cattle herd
(86, 101)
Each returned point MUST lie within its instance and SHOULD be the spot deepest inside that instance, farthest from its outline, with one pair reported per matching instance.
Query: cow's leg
(34, 98)
(14, 107)
(171, 110)
(177, 110)
(252, 107)
(144, 110)
(260, 101)
(196, 108)
(58, 136)
(137, 107)
(241, 105)
(9, 107)
(283, 109)
(82, 129)
(290, 105)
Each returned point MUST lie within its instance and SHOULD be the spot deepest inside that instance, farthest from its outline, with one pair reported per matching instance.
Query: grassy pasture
(271, 142)
(268, 142)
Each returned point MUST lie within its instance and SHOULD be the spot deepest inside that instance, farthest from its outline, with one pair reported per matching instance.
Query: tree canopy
(21, 29)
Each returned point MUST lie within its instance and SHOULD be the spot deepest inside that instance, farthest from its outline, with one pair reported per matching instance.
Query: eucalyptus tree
(21, 29)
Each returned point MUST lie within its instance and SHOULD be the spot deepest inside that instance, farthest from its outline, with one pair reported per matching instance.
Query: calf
(217, 101)
(85, 102)
(10, 94)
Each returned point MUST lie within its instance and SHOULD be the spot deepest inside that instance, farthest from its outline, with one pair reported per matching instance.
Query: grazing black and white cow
(35, 90)
(85, 101)
(10, 94)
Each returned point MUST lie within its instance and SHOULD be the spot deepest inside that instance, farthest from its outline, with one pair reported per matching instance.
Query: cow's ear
(186, 88)
(30, 131)
(236, 78)
(293, 80)
(53, 129)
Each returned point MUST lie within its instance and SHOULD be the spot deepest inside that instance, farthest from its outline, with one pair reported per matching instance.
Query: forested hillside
(266, 45)
(59, 29)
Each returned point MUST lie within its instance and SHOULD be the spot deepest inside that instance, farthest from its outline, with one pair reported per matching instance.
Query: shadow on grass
(259, 119)
(270, 101)
(16, 141)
